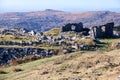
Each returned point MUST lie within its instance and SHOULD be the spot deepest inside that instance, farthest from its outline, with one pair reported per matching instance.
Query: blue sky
(64, 5)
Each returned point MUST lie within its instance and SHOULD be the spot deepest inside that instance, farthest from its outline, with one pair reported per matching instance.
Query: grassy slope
(91, 65)
(16, 39)
(54, 32)
(87, 66)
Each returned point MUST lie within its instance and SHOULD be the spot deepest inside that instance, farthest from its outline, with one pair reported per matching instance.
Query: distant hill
(48, 19)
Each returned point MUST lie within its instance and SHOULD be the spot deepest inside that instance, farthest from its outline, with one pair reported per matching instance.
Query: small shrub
(58, 61)
(20, 61)
(2, 71)
(76, 72)
(24, 60)
(45, 72)
(12, 62)
(17, 69)
(64, 79)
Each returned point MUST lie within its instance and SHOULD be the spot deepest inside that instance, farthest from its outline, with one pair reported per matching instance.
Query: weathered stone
(7, 54)
(103, 31)
(77, 27)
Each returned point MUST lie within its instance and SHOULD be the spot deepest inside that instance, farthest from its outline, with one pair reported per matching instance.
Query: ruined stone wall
(77, 27)
(103, 31)
(109, 30)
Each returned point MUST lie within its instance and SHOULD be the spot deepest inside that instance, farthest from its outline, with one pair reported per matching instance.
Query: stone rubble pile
(7, 54)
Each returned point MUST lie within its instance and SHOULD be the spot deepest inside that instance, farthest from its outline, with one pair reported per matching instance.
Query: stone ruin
(77, 27)
(102, 31)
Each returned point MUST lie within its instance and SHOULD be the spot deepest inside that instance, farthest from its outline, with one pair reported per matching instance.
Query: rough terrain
(78, 65)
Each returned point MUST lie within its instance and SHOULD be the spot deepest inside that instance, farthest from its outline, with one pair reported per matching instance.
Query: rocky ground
(9, 54)
(90, 65)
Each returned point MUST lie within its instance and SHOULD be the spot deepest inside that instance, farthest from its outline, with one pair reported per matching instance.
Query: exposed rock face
(77, 27)
(7, 54)
(103, 31)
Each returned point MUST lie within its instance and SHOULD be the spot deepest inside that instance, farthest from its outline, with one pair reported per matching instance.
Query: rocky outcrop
(7, 54)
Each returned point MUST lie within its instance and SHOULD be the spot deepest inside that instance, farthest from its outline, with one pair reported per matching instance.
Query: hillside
(74, 66)
(48, 19)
